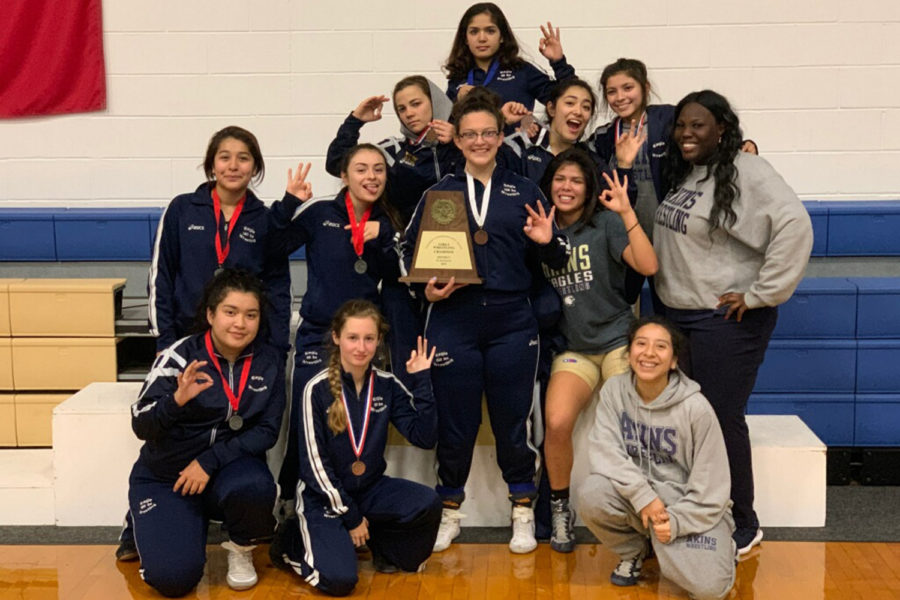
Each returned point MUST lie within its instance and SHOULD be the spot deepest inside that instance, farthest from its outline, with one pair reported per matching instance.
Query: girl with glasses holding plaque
(209, 409)
(344, 498)
(487, 334)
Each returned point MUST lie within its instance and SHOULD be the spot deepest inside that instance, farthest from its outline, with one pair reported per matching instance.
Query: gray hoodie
(671, 448)
(441, 106)
(763, 254)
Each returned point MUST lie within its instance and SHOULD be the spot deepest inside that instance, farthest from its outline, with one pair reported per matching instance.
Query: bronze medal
(358, 468)
(480, 237)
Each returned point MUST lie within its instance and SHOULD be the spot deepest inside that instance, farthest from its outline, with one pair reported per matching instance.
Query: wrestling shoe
(522, 541)
(241, 574)
(449, 529)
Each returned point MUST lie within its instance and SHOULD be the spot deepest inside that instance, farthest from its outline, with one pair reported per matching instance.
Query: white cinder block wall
(816, 82)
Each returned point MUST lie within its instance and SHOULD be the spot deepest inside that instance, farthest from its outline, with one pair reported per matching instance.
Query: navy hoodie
(659, 119)
(524, 84)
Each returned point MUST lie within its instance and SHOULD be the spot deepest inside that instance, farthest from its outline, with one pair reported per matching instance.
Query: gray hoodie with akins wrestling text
(671, 448)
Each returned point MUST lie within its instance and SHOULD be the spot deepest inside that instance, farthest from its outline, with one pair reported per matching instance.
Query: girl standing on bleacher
(209, 409)
(344, 499)
(733, 241)
(485, 53)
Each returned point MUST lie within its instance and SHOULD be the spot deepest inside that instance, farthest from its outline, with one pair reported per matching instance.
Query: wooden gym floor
(776, 570)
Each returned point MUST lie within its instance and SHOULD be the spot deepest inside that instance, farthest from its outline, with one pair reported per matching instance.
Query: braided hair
(337, 417)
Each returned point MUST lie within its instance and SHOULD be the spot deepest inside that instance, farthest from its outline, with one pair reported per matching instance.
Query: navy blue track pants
(487, 344)
(170, 529)
(724, 357)
(403, 521)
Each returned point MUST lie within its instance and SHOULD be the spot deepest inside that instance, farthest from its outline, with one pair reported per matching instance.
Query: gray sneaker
(628, 571)
(562, 525)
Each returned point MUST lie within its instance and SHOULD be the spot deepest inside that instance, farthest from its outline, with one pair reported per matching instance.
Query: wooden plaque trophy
(444, 244)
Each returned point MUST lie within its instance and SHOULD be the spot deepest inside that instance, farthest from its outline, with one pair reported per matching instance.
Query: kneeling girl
(344, 499)
(210, 408)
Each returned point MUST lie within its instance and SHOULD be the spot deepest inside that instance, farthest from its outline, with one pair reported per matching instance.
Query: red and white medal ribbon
(359, 445)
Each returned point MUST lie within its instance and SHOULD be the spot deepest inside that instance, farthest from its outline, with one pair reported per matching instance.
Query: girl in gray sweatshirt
(659, 469)
(733, 241)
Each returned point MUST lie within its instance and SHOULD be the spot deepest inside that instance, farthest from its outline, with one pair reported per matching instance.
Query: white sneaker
(522, 541)
(449, 529)
(241, 574)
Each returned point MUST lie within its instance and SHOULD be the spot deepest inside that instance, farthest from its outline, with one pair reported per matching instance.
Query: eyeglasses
(488, 135)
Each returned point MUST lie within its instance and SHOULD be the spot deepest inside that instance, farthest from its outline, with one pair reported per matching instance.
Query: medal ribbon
(422, 135)
(358, 447)
(245, 374)
(357, 229)
(489, 77)
(479, 215)
(639, 127)
(222, 253)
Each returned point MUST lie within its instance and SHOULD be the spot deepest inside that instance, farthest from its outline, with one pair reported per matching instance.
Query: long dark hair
(721, 163)
(578, 157)
(461, 61)
(382, 200)
(217, 288)
(242, 135)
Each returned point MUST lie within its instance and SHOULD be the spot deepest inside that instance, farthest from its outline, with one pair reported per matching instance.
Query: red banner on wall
(51, 57)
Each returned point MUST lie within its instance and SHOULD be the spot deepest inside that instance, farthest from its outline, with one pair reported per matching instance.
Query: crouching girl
(659, 469)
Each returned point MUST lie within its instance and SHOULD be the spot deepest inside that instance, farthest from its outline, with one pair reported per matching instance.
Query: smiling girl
(344, 498)
(733, 241)
(487, 333)
(221, 224)
(658, 470)
(485, 53)
(209, 409)
(595, 314)
(349, 242)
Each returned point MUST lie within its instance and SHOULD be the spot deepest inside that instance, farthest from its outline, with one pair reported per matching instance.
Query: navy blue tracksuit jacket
(184, 260)
(412, 168)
